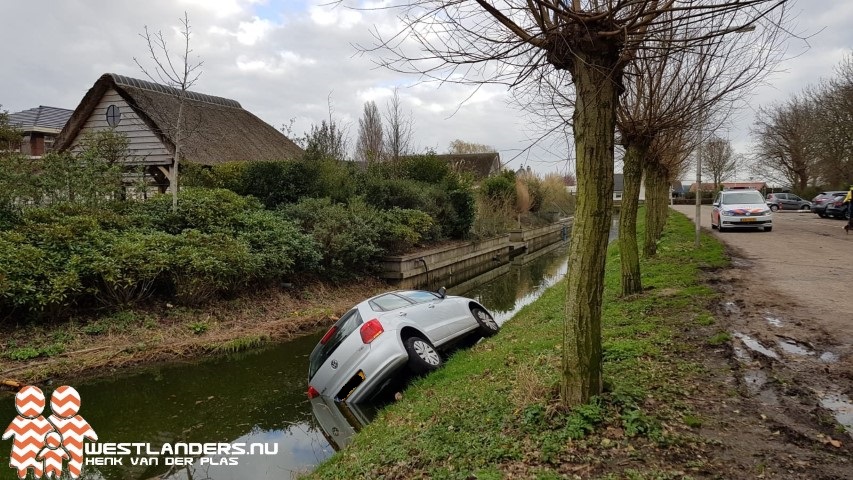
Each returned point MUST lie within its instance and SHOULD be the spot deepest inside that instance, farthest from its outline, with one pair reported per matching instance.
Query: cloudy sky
(290, 59)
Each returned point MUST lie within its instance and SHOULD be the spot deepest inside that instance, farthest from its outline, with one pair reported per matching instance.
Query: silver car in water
(370, 343)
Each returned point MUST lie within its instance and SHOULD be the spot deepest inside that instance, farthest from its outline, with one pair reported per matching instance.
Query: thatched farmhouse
(214, 129)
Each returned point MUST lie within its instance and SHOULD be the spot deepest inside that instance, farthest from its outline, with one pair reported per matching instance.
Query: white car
(741, 209)
(379, 336)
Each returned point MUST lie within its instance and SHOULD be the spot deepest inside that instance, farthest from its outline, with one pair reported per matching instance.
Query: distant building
(479, 165)
(40, 127)
(712, 187)
(215, 129)
(744, 185)
(706, 187)
(619, 187)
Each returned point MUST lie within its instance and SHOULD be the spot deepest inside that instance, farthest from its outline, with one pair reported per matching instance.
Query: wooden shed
(214, 129)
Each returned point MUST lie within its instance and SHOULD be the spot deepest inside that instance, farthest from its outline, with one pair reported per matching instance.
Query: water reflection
(255, 397)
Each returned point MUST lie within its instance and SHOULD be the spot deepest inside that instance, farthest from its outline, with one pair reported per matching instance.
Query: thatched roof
(480, 165)
(217, 129)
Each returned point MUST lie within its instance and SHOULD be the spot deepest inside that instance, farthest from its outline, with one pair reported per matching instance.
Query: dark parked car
(787, 201)
(822, 199)
(836, 208)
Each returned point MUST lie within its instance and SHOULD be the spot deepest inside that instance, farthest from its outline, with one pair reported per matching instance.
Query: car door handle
(431, 305)
(402, 314)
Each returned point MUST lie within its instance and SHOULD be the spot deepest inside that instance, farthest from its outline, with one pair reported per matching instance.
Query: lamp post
(698, 195)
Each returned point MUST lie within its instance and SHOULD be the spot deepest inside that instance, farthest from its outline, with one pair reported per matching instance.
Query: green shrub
(345, 234)
(203, 209)
(205, 264)
(425, 168)
(274, 183)
(500, 187)
(125, 266)
(277, 244)
(402, 229)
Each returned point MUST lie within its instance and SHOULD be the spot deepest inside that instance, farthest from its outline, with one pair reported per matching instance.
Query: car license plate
(747, 220)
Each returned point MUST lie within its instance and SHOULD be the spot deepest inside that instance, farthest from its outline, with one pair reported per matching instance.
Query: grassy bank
(33, 352)
(492, 411)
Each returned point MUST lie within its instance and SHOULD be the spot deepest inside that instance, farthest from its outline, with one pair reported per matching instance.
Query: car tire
(773, 208)
(821, 215)
(423, 357)
(805, 208)
(768, 229)
(721, 229)
(487, 324)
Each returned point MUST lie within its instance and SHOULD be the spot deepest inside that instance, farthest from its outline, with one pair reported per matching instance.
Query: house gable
(145, 146)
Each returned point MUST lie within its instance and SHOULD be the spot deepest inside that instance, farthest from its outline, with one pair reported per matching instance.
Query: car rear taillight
(328, 335)
(370, 330)
(312, 392)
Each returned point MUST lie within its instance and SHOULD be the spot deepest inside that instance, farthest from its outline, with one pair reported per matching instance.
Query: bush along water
(72, 253)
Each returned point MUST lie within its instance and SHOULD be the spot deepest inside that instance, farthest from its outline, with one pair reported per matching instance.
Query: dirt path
(788, 306)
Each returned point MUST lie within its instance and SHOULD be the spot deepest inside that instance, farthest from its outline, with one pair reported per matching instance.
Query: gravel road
(805, 258)
(787, 303)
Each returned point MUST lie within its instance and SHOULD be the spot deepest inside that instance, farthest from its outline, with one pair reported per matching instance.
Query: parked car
(741, 209)
(787, 201)
(363, 350)
(820, 201)
(836, 208)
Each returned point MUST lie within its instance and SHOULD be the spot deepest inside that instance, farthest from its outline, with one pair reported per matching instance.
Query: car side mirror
(716, 204)
(442, 292)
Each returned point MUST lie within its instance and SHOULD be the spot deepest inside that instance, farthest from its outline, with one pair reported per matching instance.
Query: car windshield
(340, 331)
(742, 198)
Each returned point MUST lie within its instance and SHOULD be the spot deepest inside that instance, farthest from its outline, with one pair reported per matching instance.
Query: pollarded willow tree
(673, 94)
(517, 41)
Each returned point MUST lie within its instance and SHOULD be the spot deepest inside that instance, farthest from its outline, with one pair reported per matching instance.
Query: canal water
(251, 398)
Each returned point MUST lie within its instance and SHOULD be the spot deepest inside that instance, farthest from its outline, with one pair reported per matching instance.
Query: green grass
(492, 411)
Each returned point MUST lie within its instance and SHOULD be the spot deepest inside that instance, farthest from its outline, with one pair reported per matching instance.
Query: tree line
(807, 140)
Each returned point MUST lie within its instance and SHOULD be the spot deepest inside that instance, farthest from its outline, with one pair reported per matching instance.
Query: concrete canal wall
(455, 263)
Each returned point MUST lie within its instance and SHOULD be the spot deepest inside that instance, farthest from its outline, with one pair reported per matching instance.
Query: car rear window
(342, 329)
(388, 302)
(747, 198)
(419, 296)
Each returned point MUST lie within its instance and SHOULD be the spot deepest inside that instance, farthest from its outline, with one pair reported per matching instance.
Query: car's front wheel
(773, 208)
(805, 208)
(423, 357)
(487, 324)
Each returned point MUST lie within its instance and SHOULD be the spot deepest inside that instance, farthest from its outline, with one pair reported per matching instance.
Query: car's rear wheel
(773, 208)
(488, 325)
(805, 208)
(423, 357)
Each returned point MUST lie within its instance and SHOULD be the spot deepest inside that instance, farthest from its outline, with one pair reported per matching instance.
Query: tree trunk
(628, 250)
(657, 205)
(594, 126)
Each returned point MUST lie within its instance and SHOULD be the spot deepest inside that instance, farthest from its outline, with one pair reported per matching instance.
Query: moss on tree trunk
(629, 252)
(594, 126)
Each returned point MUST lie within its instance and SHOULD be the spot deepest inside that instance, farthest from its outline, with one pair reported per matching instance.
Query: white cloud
(250, 32)
(283, 59)
(338, 16)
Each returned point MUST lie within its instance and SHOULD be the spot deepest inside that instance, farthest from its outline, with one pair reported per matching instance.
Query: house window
(113, 115)
(617, 196)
